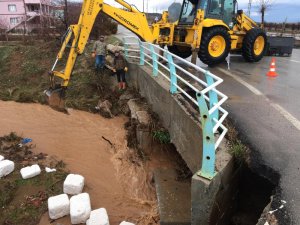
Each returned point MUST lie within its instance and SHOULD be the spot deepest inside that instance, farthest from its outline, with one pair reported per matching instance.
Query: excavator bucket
(55, 98)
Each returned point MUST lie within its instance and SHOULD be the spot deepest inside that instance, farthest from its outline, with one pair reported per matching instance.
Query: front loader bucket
(55, 98)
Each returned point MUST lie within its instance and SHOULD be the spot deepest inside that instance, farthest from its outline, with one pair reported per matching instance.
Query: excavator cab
(214, 9)
(188, 12)
(220, 9)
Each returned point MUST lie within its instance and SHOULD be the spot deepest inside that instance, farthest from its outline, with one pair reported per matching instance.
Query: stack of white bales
(78, 206)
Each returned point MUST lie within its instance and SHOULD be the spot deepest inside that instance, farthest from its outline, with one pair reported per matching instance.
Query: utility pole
(143, 6)
(249, 7)
(147, 6)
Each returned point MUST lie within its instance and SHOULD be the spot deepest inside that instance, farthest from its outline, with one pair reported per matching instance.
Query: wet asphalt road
(266, 112)
(283, 89)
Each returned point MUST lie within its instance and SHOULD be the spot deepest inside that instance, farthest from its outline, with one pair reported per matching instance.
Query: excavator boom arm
(132, 19)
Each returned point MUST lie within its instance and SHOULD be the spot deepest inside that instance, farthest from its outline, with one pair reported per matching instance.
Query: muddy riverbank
(115, 176)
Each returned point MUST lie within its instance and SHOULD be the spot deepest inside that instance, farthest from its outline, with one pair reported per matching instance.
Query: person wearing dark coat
(120, 68)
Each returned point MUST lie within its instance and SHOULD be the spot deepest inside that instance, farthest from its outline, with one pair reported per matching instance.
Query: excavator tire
(215, 45)
(254, 45)
(181, 51)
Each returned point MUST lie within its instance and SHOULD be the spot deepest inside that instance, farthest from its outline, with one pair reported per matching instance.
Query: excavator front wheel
(254, 45)
(215, 45)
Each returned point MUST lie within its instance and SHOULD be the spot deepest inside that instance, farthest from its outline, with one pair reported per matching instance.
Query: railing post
(142, 53)
(154, 60)
(126, 50)
(173, 88)
(213, 97)
(209, 156)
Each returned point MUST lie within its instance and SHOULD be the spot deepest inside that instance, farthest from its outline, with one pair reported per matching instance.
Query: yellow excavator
(208, 29)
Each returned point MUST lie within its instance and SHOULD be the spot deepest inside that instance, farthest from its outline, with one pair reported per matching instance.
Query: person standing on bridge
(99, 52)
(120, 68)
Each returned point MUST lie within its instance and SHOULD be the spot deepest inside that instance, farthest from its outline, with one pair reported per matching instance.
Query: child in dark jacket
(120, 68)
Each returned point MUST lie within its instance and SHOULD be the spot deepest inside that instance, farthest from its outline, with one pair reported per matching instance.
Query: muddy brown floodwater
(115, 179)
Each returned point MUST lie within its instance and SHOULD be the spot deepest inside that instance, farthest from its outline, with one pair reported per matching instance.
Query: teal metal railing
(178, 72)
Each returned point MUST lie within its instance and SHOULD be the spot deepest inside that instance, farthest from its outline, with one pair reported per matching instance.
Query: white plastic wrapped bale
(126, 223)
(6, 167)
(80, 208)
(73, 184)
(98, 217)
(1, 157)
(58, 206)
(30, 171)
(49, 170)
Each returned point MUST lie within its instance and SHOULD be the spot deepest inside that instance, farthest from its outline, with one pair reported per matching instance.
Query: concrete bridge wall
(185, 131)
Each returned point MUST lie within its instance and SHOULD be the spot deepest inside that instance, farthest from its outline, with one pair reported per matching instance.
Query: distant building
(17, 15)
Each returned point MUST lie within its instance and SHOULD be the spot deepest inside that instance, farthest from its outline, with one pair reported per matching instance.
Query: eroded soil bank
(115, 177)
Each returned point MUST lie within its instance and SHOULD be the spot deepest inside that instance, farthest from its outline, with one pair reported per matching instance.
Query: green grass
(20, 214)
(162, 136)
(4, 54)
(31, 67)
(238, 150)
(7, 194)
(24, 75)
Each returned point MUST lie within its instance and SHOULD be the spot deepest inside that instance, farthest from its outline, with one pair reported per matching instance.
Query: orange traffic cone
(272, 71)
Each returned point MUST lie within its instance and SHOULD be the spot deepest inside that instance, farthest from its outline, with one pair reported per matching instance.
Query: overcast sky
(279, 11)
(161, 5)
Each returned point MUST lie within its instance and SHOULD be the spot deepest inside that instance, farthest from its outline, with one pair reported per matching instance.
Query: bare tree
(103, 24)
(3, 28)
(24, 21)
(66, 14)
(263, 6)
(65, 5)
